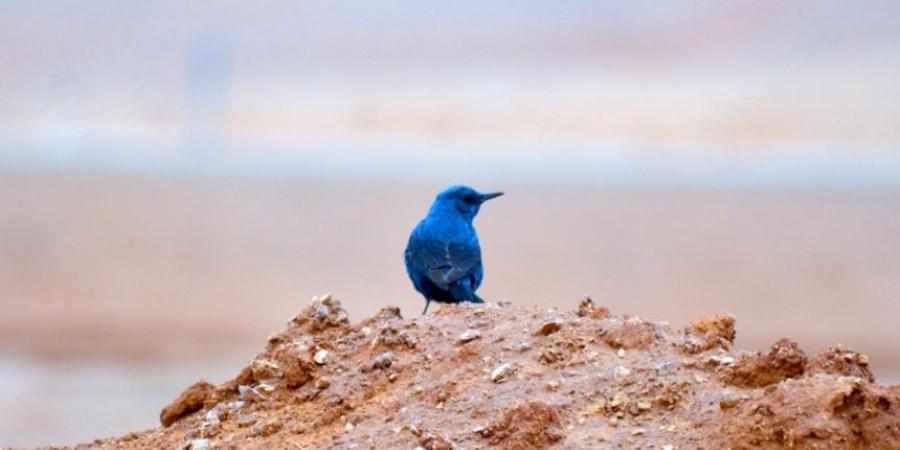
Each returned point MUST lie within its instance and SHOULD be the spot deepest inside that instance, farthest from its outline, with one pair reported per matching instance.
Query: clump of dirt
(191, 400)
(784, 360)
(586, 308)
(842, 362)
(628, 333)
(707, 333)
(499, 376)
(532, 425)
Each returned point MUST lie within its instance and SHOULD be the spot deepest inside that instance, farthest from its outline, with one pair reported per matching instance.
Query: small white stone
(468, 335)
(212, 417)
(501, 373)
(621, 352)
(622, 371)
(200, 444)
(237, 404)
(321, 357)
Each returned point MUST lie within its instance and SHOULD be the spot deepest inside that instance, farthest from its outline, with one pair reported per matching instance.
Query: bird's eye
(469, 198)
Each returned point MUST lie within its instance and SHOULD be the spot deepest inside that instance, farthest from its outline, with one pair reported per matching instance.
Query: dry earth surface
(508, 377)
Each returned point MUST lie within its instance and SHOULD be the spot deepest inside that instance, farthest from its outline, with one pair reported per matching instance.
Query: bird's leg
(427, 302)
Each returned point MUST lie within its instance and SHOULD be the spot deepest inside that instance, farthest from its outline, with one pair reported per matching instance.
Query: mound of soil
(499, 376)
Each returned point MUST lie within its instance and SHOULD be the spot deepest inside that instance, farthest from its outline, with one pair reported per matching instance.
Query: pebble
(245, 420)
(501, 373)
(321, 357)
(621, 352)
(729, 400)
(668, 447)
(553, 386)
(645, 405)
(724, 360)
(245, 390)
(549, 328)
(263, 369)
(597, 408)
(618, 400)
(382, 361)
(237, 404)
(637, 431)
(622, 371)
(266, 429)
(212, 417)
(322, 383)
(199, 444)
(468, 335)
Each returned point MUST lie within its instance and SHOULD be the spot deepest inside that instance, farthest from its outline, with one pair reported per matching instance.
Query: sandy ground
(152, 278)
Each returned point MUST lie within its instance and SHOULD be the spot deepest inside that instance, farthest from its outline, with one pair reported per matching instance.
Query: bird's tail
(462, 292)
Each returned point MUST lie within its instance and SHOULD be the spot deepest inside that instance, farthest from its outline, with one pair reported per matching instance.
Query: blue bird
(443, 257)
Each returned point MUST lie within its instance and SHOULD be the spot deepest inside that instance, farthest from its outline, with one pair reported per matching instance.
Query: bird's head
(463, 200)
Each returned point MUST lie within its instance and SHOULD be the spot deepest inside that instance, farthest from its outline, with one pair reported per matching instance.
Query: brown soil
(500, 376)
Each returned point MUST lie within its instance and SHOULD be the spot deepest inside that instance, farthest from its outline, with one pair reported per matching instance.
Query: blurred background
(178, 179)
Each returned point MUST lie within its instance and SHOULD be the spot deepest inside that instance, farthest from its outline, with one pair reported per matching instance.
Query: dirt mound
(498, 376)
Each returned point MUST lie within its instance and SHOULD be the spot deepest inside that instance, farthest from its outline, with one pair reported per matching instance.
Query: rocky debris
(586, 308)
(550, 355)
(191, 400)
(323, 313)
(431, 441)
(529, 425)
(707, 333)
(391, 338)
(596, 382)
(784, 360)
(836, 360)
(820, 411)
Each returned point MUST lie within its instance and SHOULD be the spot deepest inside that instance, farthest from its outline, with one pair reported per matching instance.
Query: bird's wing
(444, 263)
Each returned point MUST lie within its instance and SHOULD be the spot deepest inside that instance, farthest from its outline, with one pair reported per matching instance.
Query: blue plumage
(443, 257)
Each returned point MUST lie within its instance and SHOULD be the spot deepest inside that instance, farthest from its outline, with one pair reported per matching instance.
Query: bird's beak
(488, 196)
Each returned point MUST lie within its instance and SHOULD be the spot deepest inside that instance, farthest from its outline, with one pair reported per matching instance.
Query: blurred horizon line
(813, 166)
